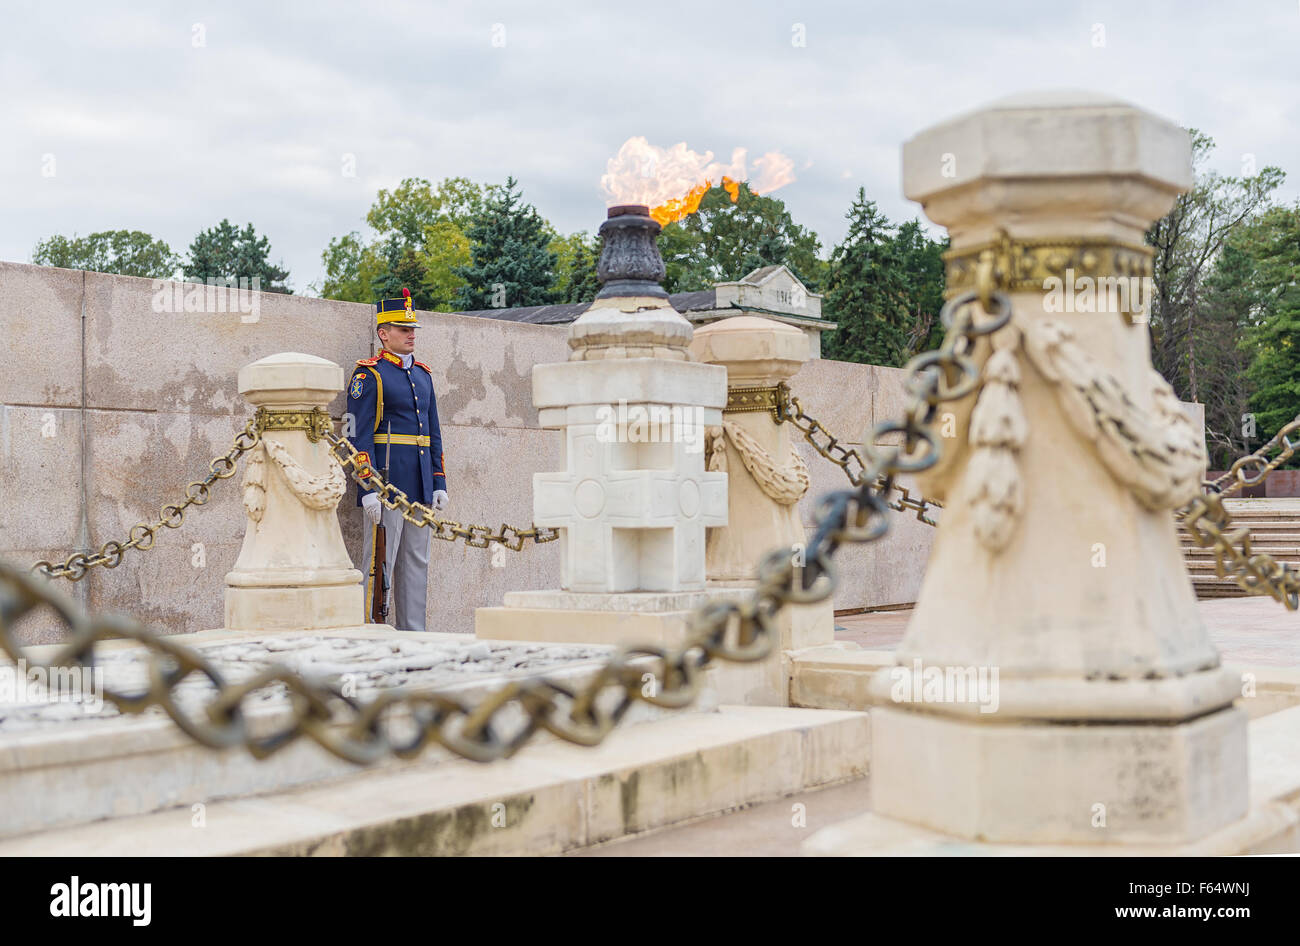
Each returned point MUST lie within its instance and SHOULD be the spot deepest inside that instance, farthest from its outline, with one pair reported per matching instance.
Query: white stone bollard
(1056, 683)
(293, 571)
(766, 476)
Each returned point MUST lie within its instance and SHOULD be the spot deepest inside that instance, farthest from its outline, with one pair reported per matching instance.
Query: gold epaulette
(368, 362)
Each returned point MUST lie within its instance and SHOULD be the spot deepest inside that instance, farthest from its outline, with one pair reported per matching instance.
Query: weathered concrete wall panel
(162, 400)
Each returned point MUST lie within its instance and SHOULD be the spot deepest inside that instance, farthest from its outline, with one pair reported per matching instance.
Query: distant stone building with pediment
(772, 292)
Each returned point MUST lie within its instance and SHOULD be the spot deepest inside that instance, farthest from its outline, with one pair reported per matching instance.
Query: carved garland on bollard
(314, 492)
(1156, 455)
(997, 432)
(785, 484)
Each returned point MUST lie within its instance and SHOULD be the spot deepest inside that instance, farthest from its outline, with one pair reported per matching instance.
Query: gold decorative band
(1026, 265)
(755, 399)
(408, 440)
(315, 422)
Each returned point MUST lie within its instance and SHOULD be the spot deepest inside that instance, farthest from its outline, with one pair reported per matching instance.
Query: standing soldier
(390, 398)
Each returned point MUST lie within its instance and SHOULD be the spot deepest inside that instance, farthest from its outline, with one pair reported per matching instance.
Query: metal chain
(742, 631)
(142, 534)
(479, 537)
(792, 412)
(1207, 522)
(1238, 470)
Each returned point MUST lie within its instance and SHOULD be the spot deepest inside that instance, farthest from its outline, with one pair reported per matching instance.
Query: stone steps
(548, 799)
(1279, 550)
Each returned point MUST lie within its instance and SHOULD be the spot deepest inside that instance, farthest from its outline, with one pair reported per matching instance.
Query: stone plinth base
(1271, 826)
(659, 619)
(283, 609)
(1080, 783)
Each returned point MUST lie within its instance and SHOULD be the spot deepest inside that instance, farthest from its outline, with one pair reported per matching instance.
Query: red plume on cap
(406, 293)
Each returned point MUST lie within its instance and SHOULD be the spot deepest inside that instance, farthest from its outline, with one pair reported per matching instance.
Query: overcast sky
(167, 117)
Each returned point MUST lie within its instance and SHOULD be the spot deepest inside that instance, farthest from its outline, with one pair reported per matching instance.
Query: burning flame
(673, 181)
(675, 208)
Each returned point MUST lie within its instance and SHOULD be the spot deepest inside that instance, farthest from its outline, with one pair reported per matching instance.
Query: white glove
(440, 499)
(371, 507)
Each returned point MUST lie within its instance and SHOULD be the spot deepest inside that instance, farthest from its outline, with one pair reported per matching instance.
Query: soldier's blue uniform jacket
(381, 392)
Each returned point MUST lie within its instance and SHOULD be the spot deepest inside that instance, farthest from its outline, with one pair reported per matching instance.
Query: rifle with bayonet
(378, 560)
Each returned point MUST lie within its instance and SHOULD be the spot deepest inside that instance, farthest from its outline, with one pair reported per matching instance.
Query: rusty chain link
(1207, 521)
(357, 731)
(792, 412)
(171, 516)
(479, 537)
(742, 631)
(1257, 460)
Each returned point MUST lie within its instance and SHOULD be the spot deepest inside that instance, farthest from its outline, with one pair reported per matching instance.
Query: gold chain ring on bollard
(743, 631)
(479, 537)
(791, 411)
(171, 516)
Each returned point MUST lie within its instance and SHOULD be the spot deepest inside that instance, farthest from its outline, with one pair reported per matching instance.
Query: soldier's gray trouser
(407, 563)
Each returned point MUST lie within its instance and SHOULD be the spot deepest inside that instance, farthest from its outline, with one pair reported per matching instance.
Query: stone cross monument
(634, 499)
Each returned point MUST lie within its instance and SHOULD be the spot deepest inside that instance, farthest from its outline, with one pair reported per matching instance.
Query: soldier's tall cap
(396, 311)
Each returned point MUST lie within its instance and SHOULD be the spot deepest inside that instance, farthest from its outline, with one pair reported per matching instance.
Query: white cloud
(153, 133)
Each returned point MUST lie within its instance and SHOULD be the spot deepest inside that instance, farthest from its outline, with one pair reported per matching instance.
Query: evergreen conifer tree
(867, 291)
(511, 263)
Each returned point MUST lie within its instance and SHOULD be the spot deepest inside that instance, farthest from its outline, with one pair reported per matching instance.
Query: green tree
(686, 266)
(446, 250)
(866, 291)
(885, 289)
(405, 211)
(124, 252)
(1228, 303)
(401, 269)
(511, 263)
(1273, 244)
(419, 245)
(226, 252)
(723, 241)
(343, 259)
(411, 208)
(1186, 342)
(576, 256)
(921, 260)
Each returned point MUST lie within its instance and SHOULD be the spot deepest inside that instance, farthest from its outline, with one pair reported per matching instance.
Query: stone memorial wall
(109, 408)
